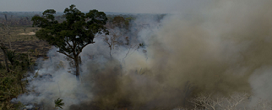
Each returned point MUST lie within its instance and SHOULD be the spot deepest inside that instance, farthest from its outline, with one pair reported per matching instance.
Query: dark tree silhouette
(74, 33)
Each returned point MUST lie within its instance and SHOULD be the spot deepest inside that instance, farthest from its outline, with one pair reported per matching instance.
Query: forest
(218, 58)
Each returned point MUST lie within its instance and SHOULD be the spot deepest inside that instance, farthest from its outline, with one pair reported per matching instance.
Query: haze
(123, 6)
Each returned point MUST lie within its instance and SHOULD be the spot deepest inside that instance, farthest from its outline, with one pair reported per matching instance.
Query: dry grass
(17, 34)
(23, 42)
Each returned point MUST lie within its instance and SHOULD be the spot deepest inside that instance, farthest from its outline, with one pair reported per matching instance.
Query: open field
(23, 40)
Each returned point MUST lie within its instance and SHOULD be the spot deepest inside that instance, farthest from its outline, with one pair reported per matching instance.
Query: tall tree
(73, 34)
(4, 49)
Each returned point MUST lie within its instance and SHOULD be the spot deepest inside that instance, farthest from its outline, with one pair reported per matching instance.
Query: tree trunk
(10, 42)
(110, 52)
(5, 57)
(22, 88)
(76, 60)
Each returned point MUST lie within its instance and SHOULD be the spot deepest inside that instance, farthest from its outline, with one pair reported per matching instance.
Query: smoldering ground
(222, 49)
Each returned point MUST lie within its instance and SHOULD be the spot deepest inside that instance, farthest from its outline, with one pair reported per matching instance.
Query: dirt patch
(30, 33)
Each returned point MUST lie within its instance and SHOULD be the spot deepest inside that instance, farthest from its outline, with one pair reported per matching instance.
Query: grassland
(24, 41)
(29, 48)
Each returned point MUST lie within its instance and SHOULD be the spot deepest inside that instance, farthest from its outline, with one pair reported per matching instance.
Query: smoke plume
(223, 49)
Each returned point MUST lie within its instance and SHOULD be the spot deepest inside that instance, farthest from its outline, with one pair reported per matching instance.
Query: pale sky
(124, 6)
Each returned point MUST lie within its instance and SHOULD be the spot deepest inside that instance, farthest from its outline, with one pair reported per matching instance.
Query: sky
(123, 6)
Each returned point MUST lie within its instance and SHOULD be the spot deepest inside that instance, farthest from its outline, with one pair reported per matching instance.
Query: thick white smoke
(222, 49)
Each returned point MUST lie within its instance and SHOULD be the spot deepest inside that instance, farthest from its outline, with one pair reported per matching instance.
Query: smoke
(222, 49)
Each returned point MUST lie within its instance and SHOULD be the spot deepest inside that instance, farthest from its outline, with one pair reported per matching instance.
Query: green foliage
(7, 106)
(11, 83)
(22, 61)
(11, 56)
(121, 22)
(18, 105)
(73, 34)
(8, 89)
(59, 103)
(35, 52)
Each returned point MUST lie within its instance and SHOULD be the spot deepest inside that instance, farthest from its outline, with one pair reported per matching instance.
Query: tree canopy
(74, 33)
